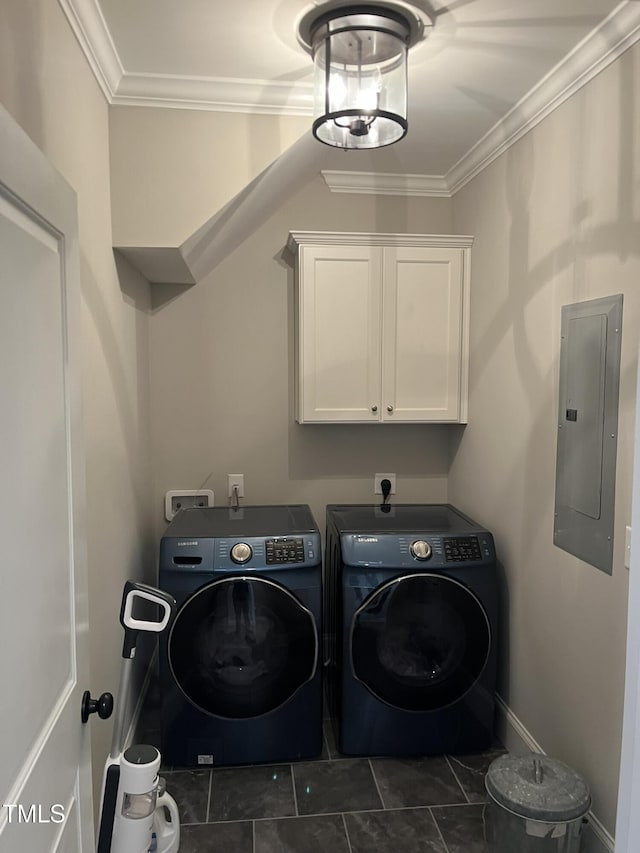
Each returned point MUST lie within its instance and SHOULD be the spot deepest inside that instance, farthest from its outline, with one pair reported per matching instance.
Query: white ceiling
(480, 60)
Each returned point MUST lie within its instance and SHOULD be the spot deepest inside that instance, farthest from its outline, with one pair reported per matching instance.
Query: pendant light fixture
(360, 70)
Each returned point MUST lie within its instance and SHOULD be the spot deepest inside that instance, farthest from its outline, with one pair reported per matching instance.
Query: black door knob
(103, 706)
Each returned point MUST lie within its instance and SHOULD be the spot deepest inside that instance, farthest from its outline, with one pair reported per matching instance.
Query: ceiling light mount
(359, 54)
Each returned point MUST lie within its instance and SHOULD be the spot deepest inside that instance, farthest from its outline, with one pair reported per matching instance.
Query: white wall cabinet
(382, 327)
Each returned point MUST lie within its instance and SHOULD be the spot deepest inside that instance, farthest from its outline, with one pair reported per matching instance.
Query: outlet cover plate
(235, 480)
(378, 478)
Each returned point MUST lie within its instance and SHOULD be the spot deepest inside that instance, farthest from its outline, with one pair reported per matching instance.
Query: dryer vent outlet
(178, 499)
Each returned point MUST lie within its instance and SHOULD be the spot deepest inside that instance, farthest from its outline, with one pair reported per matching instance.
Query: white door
(45, 784)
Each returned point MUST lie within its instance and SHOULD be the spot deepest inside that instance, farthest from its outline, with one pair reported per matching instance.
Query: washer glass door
(242, 646)
(420, 642)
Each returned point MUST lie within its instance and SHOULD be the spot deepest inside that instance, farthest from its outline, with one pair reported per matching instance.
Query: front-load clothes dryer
(412, 615)
(240, 668)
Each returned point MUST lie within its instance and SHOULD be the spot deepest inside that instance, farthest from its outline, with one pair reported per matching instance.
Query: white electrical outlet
(178, 499)
(235, 480)
(378, 478)
(627, 547)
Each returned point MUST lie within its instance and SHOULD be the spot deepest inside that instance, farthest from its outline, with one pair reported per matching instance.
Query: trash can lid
(537, 787)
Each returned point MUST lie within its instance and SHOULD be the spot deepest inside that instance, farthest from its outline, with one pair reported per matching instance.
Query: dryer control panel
(418, 550)
(462, 549)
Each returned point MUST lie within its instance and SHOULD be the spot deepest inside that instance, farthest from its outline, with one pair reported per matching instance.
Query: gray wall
(221, 362)
(555, 221)
(174, 169)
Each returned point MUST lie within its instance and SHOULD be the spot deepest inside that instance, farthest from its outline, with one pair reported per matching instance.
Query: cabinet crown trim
(357, 238)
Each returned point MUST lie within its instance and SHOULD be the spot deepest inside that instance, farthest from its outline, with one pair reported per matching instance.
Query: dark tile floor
(334, 804)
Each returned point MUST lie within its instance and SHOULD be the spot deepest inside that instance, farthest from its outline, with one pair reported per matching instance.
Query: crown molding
(616, 34)
(214, 94)
(369, 238)
(385, 183)
(175, 91)
(94, 38)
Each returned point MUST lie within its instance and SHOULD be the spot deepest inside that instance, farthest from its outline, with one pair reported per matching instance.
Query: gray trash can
(536, 805)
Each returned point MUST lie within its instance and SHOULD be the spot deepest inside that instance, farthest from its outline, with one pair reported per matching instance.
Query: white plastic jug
(166, 833)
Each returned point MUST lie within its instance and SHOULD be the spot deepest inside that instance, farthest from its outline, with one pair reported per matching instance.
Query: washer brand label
(187, 544)
(366, 538)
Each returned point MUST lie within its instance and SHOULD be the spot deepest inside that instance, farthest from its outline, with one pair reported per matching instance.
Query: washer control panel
(248, 553)
(284, 550)
(256, 553)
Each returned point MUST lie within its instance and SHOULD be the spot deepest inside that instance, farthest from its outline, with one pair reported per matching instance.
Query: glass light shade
(360, 80)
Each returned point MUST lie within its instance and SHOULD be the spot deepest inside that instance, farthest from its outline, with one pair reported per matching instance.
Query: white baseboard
(518, 739)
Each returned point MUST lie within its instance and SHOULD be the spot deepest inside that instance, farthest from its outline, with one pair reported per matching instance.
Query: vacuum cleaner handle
(132, 625)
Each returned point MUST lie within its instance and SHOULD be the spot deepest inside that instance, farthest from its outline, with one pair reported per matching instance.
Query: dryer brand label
(366, 539)
(187, 544)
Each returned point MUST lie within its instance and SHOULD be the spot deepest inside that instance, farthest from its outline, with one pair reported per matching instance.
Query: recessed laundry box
(536, 805)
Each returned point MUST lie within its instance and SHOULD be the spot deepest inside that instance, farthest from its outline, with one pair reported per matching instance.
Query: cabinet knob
(389, 409)
(374, 409)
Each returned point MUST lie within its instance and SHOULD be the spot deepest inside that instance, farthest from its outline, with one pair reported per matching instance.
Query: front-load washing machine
(240, 668)
(412, 615)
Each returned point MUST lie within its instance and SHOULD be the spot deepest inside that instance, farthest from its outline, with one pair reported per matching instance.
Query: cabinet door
(422, 334)
(339, 333)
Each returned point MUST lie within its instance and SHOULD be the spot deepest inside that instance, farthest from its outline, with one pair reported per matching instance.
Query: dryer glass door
(242, 646)
(420, 642)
